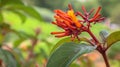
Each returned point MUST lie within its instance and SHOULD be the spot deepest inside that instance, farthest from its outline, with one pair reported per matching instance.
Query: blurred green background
(25, 27)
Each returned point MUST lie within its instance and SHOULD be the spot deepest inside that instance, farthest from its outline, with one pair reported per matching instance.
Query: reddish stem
(99, 48)
(92, 35)
(105, 59)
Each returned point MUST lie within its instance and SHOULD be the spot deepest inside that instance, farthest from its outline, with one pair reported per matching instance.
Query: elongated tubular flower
(86, 16)
(69, 22)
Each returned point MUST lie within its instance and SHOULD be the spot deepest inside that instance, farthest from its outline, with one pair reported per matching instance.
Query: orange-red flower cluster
(71, 24)
(67, 21)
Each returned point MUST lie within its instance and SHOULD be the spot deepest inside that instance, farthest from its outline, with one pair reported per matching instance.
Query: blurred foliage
(25, 39)
(107, 6)
(45, 13)
(13, 33)
(62, 4)
(52, 4)
(7, 59)
(111, 10)
(19, 8)
(114, 55)
(115, 14)
(108, 10)
(114, 51)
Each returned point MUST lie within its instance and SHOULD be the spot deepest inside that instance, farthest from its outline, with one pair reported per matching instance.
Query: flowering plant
(68, 49)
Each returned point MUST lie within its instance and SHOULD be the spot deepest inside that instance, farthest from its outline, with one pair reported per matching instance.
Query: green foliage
(30, 11)
(12, 14)
(113, 38)
(114, 51)
(115, 15)
(103, 34)
(74, 65)
(1, 17)
(20, 37)
(22, 16)
(52, 4)
(107, 6)
(67, 53)
(62, 4)
(45, 13)
(7, 59)
(10, 2)
(19, 8)
(68, 39)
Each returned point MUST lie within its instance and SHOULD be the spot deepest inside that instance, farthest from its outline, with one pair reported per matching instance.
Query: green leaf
(21, 15)
(1, 38)
(10, 2)
(43, 53)
(18, 56)
(103, 34)
(7, 58)
(67, 53)
(113, 38)
(29, 10)
(67, 39)
(1, 17)
(23, 35)
(17, 42)
(74, 65)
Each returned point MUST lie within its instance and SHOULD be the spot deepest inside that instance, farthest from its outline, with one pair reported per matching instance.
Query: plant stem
(92, 35)
(100, 48)
(31, 54)
(105, 59)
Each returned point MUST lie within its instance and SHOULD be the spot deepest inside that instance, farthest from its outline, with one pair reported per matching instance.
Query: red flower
(69, 22)
(86, 17)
